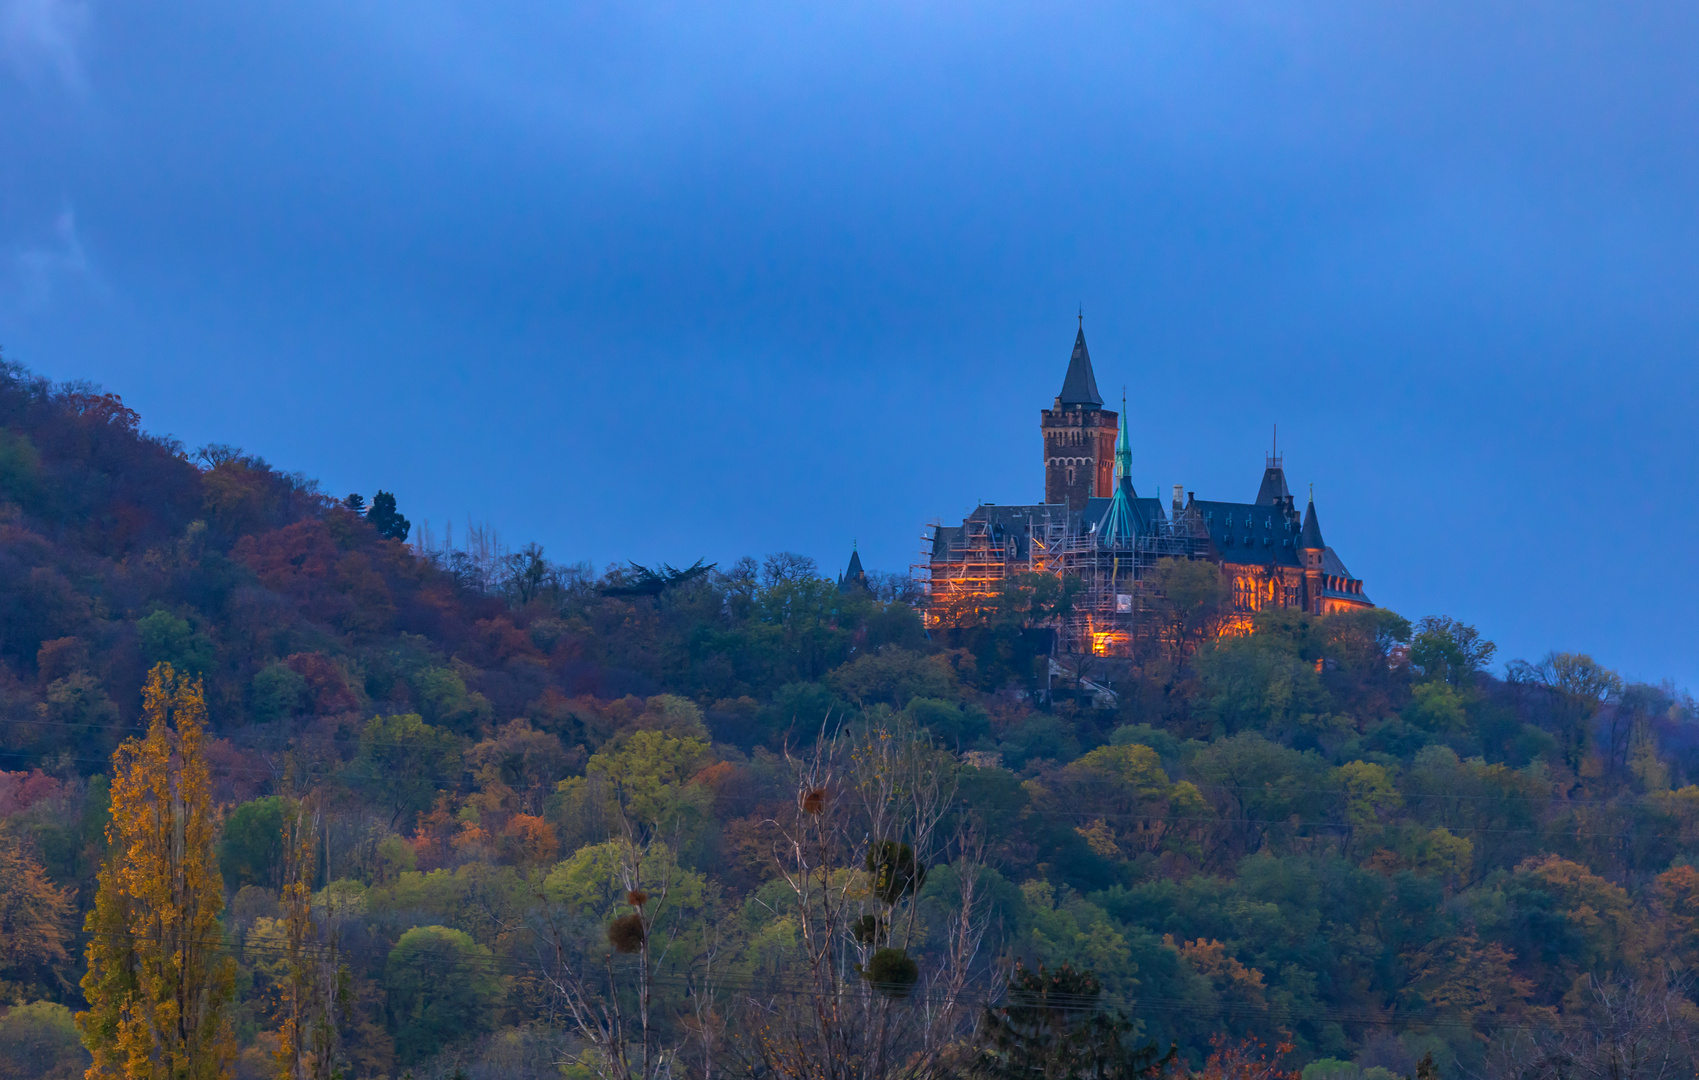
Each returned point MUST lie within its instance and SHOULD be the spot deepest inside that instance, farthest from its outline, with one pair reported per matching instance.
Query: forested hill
(1354, 833)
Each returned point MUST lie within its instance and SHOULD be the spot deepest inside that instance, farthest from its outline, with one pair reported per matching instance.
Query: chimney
(1179, 497)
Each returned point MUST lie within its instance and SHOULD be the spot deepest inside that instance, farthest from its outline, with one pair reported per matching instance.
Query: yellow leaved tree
(158, 987)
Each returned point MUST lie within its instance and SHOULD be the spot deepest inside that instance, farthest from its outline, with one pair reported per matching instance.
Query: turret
(1079, 436)
(1311, 548)
(853, 577)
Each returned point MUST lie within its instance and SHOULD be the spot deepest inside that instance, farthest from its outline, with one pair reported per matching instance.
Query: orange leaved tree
(158, 988)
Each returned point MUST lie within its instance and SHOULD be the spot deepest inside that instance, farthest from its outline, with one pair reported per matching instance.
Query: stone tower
(1079, 437)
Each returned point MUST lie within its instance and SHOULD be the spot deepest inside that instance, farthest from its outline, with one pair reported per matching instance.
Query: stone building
(1095, 526)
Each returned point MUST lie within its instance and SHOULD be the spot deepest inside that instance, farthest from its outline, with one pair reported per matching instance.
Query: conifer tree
(1054, 1027)
(386, 519)
(158, 989)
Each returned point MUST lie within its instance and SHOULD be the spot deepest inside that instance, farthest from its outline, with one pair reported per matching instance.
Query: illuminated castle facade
(1094, 526)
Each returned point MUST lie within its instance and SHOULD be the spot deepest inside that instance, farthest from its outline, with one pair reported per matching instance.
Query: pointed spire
(1123, 446)
(854, 577)
(1079, 388)
(1310, 537)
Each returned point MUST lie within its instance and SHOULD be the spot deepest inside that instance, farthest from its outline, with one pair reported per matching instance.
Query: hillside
(1353, 832)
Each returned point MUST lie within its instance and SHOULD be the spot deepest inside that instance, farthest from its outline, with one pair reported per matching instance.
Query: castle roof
(1011, 524)
(1273, 491)
(1079, 388)
(1311, 536)
(1334, 567)
(1249, 533)
(853, 577)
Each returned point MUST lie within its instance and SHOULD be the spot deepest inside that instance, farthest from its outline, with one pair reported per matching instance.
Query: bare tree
(878, 993)
(1639, 1029)
(610, 999)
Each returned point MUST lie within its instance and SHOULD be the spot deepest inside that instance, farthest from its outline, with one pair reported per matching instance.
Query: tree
(252, 844)
(159, 993)
(386, 519)
(167, 639)
(852, 854)
(1643, 1029)
(1447, 649)
(38, 1041)
(279, 692)
(1053, 1026)
(356, 502)
(1576, 686)
(314, 984)
(632, 887)
(402, 762)
(33, 916)
(1193, 602)
(442, 987)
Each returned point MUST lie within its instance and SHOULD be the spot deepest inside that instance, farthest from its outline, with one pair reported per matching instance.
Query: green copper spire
(1123, 445)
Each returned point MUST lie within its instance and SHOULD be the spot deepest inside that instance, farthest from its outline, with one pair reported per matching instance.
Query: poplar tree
(315, 990)
(158, 988)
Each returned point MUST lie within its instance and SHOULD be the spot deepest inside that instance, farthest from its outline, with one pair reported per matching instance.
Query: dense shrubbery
(1345, 831)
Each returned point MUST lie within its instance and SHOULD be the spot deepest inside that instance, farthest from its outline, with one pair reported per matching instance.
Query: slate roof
(1144, 511)
(1273, 491)
(854, 577)
(1010, 522)
(1250, 533)
(1080, 385)
(1311, 537)
(1332, 564)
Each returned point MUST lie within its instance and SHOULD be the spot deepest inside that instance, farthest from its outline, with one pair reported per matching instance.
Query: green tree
(1265, 682)
(1450, 650)
(20, 467)
(1259, 787)
(252, 845)
(279, 692)
(1577, 686)
(402, 762)
(386, 519)
(1054, 1026)
(167, 639)
(442, 987)
(445, 701)
(39, 1041)
(1194, 600)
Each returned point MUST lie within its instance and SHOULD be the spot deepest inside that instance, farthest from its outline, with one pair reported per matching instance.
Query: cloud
(39, 39)
(30, 273)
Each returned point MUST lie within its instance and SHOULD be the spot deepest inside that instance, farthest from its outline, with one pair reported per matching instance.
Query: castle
(1093, 526)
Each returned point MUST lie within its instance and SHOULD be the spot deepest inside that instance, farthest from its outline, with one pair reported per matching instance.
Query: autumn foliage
(158, 986)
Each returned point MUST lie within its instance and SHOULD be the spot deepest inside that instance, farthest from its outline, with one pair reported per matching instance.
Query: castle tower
(1079, 436)
(1311, 549)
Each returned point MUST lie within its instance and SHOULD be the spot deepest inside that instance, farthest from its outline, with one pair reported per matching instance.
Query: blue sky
(679, 280)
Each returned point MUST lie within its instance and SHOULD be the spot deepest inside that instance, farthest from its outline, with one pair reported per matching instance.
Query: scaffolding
(965, 568)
